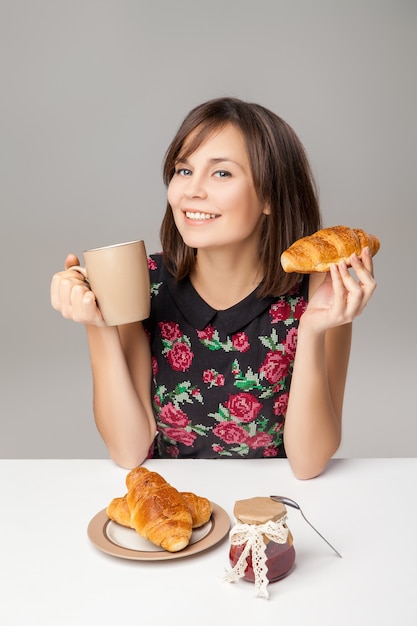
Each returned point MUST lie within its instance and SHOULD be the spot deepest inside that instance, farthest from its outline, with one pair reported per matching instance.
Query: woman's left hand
(341, 297)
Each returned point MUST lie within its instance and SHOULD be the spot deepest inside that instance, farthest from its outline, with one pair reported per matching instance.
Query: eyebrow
(213, 160)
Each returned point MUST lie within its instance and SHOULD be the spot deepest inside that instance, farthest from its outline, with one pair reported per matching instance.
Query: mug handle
(81, 270)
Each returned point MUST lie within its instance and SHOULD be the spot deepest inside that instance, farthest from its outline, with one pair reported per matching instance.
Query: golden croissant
(317, 252)
(199, 507)
(157, 511)
(118, 511)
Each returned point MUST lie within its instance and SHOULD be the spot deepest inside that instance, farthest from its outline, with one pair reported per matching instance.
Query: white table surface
(52, 575)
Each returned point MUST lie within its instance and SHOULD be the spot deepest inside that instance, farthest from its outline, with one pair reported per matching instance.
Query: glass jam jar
(261, 524)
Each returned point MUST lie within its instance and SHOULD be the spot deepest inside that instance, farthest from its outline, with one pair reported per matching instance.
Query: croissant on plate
(157, 510)
(317, 252)
(118, 511)
(199, 507)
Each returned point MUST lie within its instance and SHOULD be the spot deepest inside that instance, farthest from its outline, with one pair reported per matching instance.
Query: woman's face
(212, 194)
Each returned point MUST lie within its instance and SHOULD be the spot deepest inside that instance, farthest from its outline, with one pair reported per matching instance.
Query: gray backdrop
(92, 92)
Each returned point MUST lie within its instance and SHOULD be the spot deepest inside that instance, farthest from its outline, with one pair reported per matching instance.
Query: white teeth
(192, 215)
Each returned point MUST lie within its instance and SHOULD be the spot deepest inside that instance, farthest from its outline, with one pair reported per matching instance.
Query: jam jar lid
(258, 510)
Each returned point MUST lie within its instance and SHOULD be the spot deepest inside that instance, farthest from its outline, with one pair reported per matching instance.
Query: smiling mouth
(198, 216)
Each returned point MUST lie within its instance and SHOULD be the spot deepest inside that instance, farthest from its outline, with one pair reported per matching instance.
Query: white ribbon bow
(253, 536)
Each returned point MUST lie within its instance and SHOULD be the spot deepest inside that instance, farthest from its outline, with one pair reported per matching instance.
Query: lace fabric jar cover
(261, 545)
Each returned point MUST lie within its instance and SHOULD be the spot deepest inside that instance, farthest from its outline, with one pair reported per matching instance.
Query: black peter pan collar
(199, 314)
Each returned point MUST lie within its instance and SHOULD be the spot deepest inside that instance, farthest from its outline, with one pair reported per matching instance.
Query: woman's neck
(224, 279)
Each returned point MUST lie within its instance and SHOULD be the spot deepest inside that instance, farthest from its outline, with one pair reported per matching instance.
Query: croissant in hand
(317, 252)
(157, 510)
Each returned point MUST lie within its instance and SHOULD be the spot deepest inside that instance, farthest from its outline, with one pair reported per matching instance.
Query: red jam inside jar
(280, 557)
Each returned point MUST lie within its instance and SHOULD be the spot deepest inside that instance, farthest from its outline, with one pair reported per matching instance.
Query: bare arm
(121, 368)
(313, 422)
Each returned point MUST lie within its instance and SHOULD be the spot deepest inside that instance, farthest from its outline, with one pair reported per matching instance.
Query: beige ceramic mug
(119, 277)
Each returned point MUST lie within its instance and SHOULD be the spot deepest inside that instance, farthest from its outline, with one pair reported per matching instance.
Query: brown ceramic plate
(126, 543)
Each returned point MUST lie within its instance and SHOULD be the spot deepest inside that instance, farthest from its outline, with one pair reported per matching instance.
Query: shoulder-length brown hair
(282, 178)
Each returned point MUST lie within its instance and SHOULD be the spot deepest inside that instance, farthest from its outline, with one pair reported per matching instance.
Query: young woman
(237, 358)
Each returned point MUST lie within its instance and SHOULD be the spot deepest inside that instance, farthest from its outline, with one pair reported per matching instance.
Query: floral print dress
(221, 379)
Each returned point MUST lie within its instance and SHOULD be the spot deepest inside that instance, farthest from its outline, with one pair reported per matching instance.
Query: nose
(195, 187)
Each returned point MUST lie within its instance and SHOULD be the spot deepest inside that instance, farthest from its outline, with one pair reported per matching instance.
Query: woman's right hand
(72, 296)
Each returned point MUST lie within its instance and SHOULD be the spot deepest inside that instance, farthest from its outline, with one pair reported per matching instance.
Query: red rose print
(182, 436)
(151, 264)
(206, 334)
(240, 342)
(300, 307)
(280, 404)
(173, 451)
(154, 365)
(244, 406)
(275, 367)
(290, 344)
(279, 311)
(230, 432)
(208, 376)
(170, 331)
(270, 452)
(170, 414)
(213, 378)
(180, 357)
(259, 441)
